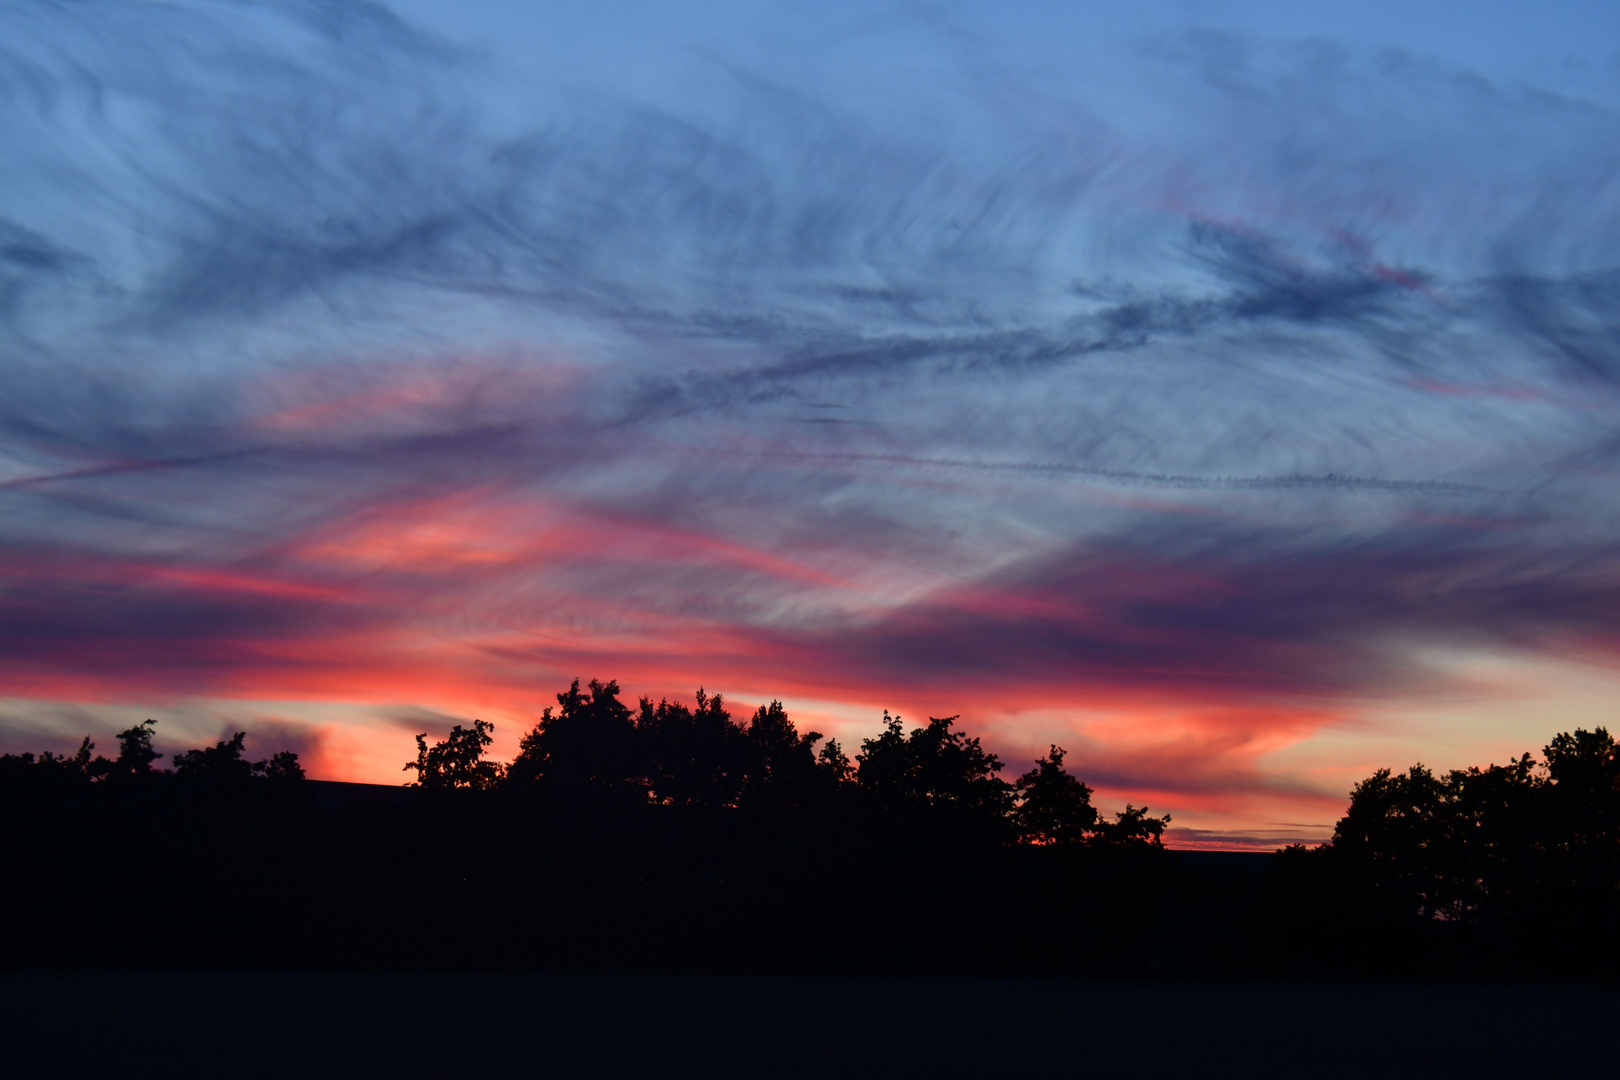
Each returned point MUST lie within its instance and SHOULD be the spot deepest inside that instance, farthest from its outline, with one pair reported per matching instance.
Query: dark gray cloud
(1239, 614)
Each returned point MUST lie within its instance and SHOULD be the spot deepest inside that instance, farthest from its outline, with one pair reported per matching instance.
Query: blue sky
(1227, 392)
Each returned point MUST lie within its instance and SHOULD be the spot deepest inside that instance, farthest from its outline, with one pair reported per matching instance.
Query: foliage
(135, 755)
(1488, 843)
(783, 768)
(695, 757)
(932, 766)
(48, 770)
(675, 827)
(458, 761)
(220, 763)
(223, 763)
(282, 767)
(1054, 807)
(1132, 827)
(587, 747)
(834, 764)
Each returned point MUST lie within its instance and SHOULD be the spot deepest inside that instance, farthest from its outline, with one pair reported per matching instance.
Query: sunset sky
(1229, 393)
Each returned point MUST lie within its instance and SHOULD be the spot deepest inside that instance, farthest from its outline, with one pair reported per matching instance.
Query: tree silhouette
(221, 763)
(1442, 847)
(77, 766)
(1054, 807)
(282, 767)
(588, 745)
(1133, 827)
(49, 769)
(1584, 769)
(458, 761)
(1582, 840)
(834, 764)
(1392, 824)
(674, 835)
(783, 768)
(781, 756)
(697, 757)
(933, 766)
(135, 755)
(1485, 848)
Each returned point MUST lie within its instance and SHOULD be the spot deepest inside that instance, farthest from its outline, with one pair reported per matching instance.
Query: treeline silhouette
(594, 751)
(669, 836)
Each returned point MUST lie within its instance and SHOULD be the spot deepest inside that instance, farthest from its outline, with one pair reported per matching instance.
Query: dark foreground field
(178, 1024)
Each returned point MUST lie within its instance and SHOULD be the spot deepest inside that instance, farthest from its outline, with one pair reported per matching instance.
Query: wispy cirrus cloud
(340, 358)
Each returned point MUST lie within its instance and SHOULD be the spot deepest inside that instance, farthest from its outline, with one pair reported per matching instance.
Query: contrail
(1184, 481)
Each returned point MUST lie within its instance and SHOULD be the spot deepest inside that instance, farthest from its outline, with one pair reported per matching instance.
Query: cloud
(1218, 615)
(340, 358)
(271, 735)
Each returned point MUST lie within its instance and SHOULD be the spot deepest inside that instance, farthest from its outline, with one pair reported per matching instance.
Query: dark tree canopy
(696, 757)
(282, 767)
(675, 828)
(223, 763)
(670, 753)
(587, 746)
(1133, 827)
(135, 754)
(1488, 842)
(932, 766)
(674, 754)
(220, 763)
(458, 761)
(1583, 769)
(783, 768)
(834, 764)
(1054, 807)
(591, 746)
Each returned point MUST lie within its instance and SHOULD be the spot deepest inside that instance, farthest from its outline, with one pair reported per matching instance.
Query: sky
(1228, 393)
